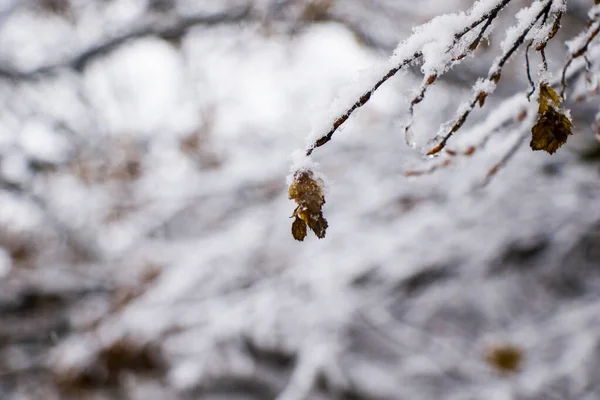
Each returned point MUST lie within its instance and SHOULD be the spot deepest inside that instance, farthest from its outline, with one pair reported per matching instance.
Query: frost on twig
(439, 46)
(515, 37)
(579, 46)
(507, 116)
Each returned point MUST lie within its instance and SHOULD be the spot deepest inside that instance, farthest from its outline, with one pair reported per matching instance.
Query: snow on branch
(443, 33)
(440, 45)
(515, 37)
(167, 28)
(579, 45)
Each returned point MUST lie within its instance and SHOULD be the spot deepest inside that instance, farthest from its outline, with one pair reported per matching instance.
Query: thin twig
(470, 150)
(494, 11)
(430, 80)
(493, 76)
(592, 32)
(359, 103)
(505, 158)
(367, 95)
(427, 82)
(544, 61)
(528, 68)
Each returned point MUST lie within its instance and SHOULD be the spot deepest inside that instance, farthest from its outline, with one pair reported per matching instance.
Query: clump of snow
(594, 11)
(558, 6)
(526, 17)
(42, 143)
(484, 85)
(302, 162)
(31, 40)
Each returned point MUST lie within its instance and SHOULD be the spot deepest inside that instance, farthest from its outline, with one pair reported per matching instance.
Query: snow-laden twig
(440, 45)
(580, 44)
(425, 44)
(515, 37)
(505, 158)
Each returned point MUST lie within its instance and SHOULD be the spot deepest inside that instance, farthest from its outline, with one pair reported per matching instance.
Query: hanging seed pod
(307, 192)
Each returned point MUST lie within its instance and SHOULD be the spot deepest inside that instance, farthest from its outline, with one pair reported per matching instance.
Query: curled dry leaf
(307, 192)
(553, 127)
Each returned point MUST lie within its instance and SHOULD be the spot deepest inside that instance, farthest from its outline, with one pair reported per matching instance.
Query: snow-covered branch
(168, 28)
(441, 44)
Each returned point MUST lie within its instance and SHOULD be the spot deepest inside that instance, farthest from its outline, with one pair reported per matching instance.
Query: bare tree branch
(167, 30)
(493, 76)
(491, 14)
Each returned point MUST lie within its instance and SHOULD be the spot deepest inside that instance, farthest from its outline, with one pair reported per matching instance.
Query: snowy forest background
(144, 217)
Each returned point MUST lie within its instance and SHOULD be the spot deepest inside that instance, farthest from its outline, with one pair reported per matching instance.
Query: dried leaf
(318, 225)
(551, 131)
(548, 98)
(298, 229)
(481, 98)
(506, 358)
(553, 127)
(307, 192)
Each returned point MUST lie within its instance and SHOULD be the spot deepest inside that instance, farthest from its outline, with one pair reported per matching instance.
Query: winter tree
(441, 45)
(145, 249)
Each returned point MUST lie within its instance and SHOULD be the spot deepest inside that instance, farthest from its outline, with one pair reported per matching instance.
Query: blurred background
(145, 245)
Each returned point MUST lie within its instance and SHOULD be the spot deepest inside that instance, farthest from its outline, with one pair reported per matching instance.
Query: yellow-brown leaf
(298, 229)
(307, 192)
(553, 127)
(551, 131)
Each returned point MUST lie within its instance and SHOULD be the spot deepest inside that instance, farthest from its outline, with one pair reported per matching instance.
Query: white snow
(525, 18)
(41, 143)
(148, 80)
(210, 215)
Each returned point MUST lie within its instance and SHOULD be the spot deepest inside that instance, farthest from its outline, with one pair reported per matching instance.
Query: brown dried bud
(506, 359)
(307, 192)
(553, 127)
(470, 150)
(481, 98)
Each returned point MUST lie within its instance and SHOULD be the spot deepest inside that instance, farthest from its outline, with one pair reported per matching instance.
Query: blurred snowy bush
(146, 251)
